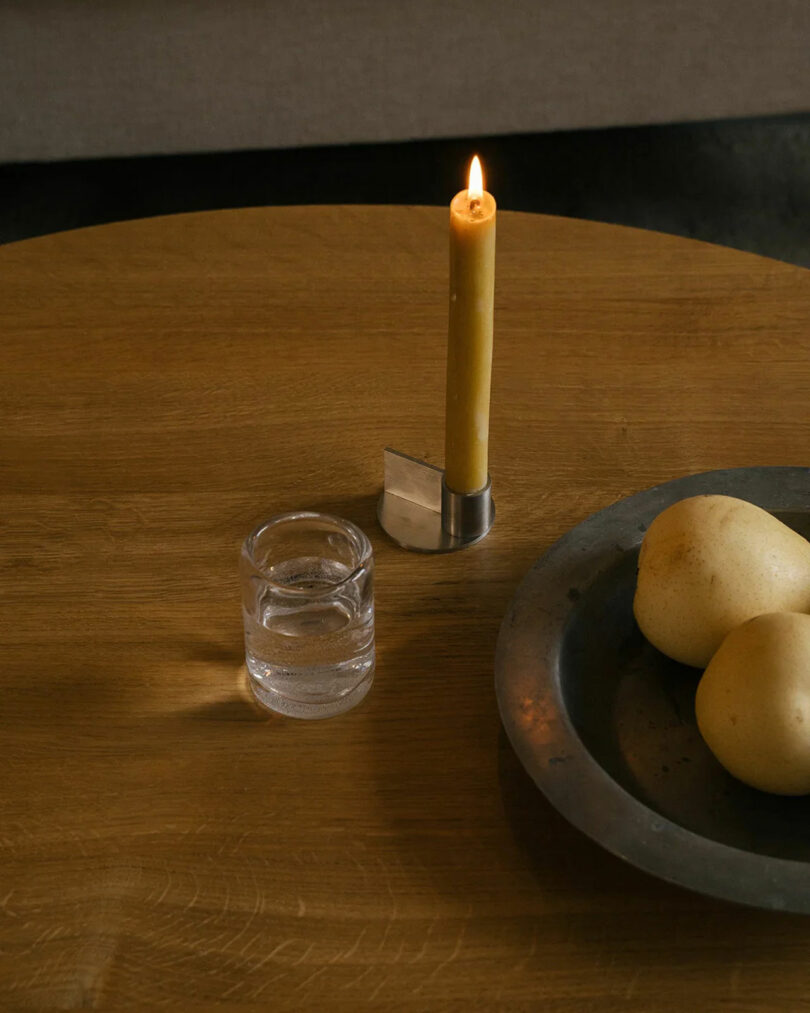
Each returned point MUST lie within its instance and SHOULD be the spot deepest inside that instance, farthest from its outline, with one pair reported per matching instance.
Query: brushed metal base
(420, 513)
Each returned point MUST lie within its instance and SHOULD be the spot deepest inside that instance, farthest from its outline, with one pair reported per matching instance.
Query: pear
(753, 703)
(710, 563)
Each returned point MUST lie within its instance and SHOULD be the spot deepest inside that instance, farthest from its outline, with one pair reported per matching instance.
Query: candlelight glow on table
(422, 507)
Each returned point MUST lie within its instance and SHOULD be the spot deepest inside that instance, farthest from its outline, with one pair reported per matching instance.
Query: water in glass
(309, 623)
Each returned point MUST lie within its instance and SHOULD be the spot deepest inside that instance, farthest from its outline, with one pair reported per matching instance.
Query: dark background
(741, 183)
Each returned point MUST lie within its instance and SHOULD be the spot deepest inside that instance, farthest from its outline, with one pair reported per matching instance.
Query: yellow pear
(708, 564)
(753, 703)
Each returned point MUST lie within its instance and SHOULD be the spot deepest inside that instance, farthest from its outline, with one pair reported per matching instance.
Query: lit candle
(469, 340)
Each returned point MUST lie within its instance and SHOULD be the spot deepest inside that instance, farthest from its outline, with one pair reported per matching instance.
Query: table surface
(167, 383)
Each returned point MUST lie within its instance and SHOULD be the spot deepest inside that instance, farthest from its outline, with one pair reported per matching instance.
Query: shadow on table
(563, 861)
(360, 510)
(431, 721)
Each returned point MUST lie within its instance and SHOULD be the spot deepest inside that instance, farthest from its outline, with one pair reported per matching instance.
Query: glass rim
(347, 527)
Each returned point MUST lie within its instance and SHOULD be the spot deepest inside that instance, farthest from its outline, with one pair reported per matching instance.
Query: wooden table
(166, 384)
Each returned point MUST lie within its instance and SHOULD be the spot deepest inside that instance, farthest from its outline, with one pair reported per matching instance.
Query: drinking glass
(308, 609)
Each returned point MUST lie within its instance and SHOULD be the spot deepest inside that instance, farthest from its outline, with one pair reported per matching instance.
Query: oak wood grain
(164, 385)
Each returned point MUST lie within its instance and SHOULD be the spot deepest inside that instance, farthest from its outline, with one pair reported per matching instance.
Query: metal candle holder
(422, 514)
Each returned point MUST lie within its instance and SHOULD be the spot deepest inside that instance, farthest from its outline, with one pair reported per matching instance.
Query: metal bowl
(605, 724)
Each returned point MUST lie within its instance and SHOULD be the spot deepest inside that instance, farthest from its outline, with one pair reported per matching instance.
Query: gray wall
(119, 77)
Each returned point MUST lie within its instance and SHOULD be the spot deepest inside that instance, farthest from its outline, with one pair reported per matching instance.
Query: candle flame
(475, 187)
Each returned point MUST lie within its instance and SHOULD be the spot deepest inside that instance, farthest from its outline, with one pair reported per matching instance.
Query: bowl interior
(633, 709)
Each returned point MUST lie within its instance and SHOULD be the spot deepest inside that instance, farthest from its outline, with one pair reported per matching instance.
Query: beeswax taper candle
(469, 339)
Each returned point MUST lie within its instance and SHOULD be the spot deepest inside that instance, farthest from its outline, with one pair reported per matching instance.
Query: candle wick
(475, 203)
